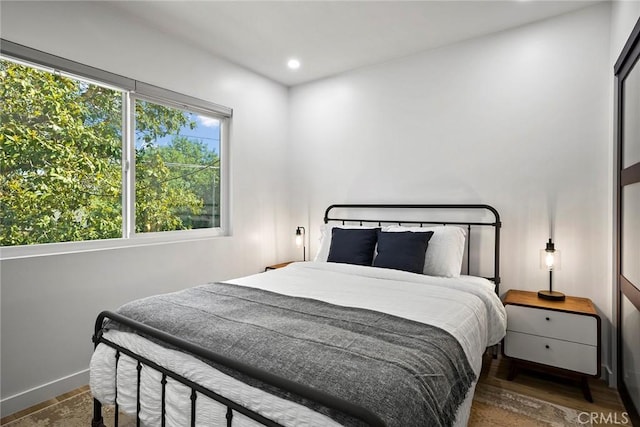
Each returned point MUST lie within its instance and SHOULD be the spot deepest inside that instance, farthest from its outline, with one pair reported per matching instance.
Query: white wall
(624, 15)
(518, 119)
(49, 303)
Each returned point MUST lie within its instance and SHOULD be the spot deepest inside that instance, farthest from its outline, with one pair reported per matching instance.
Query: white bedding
(467, 307)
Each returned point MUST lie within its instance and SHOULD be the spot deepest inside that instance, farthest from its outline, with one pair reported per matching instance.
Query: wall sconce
(300, 235)
(550, 260)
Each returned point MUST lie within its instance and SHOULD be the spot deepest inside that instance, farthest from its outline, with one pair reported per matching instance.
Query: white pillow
(445, 249)
(325, 240)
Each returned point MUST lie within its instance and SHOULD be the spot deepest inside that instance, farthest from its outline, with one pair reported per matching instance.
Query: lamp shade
(550, 261)
(550, 257)
(300, 234)
(299, 237)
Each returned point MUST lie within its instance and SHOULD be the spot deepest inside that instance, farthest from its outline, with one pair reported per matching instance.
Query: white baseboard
(28, 398)
(607, 376)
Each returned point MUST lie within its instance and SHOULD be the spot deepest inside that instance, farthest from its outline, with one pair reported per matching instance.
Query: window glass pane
(631, 136)
(631, 349)
(177, 169)
(60, 158)
(631, 233)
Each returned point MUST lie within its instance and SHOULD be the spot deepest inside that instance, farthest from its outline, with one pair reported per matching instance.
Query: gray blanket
(408, 373)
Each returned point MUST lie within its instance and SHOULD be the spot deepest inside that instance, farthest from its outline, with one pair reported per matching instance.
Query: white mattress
(466, 307)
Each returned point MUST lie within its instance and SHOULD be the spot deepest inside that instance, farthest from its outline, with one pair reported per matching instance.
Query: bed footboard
(324, 399)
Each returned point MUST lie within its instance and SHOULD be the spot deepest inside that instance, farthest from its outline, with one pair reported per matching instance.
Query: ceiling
(331, 37)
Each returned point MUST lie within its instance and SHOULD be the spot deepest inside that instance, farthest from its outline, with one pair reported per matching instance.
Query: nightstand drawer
(548, 351)
(554, 324)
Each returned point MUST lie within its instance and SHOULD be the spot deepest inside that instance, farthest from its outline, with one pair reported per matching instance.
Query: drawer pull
(547, 318)
(546, 346)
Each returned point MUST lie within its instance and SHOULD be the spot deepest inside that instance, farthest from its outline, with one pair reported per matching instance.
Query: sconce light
(300, 234)
(550, 260)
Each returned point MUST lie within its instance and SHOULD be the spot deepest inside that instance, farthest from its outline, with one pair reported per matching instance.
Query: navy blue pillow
(353, 245)
(403, 250)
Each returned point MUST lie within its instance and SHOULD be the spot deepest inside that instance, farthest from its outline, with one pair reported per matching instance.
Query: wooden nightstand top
(275, 266)
(570, 304)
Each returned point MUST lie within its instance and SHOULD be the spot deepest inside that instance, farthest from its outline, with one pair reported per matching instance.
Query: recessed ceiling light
(293, 64)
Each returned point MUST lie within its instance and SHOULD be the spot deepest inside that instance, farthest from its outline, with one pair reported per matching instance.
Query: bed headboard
(472, 217)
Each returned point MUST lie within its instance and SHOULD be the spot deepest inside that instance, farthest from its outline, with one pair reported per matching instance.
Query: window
(177, 168)
(60, 158)
(87, 155)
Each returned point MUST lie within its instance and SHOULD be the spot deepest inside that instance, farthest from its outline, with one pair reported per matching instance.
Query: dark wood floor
(560, 391)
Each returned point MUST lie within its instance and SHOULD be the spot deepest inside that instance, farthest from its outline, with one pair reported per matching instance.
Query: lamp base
(551, 295)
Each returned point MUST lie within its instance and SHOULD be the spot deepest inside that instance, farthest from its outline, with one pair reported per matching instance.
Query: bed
(301, 346)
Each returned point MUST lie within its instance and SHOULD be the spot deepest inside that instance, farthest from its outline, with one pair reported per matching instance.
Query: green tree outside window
(61, 162)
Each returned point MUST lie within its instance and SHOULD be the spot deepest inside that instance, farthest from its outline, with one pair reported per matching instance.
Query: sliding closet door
(627, 71)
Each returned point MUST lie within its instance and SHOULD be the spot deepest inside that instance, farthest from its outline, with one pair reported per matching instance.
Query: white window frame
(132, 90)
(129, 193)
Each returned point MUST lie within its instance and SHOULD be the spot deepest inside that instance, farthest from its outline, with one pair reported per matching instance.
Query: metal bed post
(97, 420)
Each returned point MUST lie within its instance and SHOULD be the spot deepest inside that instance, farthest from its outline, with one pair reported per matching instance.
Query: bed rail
(361, 209)
(301, 390)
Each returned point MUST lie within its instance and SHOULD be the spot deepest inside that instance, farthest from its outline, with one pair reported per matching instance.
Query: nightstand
(276, 266)
(560, 337)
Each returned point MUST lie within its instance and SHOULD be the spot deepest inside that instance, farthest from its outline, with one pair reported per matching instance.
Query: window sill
(146, 239)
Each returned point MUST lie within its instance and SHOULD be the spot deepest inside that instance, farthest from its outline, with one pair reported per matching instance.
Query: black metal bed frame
(301, 390)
